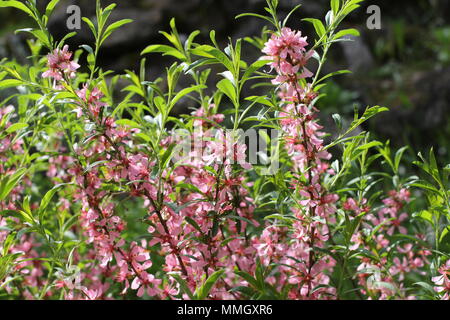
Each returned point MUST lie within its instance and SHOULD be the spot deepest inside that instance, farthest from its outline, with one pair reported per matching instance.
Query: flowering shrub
(105, 198)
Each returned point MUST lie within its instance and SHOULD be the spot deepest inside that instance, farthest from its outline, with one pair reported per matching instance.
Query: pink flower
(92, 99)
(442, 281)
(400, 267)
(396, 224)
(146, 283)
(288, 54)
(91, 294)
(357, 240)
(59, 63)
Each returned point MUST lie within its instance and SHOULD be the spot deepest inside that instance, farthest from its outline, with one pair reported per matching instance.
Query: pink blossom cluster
(381, 278)
(303, 267)
(197, 211)
(442, 281)
(189, 249)
(188, 227)
(390, 215)
(289, 56)
(60, 64)
(102, 226)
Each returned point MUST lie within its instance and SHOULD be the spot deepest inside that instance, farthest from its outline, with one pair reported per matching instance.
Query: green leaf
(262, 100)
(318, 26)
(226, 86)
(424, 185)
(398, 156)
(114, 26)
(368, 113)
(17, 5)
(185, 92)
(88, 48)
(167, 156)
(211, 52)
(143, 136)
(165, 50)
(16, 127)
(247, 277)
(337, 120)
(104, 14)
(444, 234)
(434, 167)
(252, 68)
(278, 216)
(189, 187)
(128, 122)
(335, 6)
(42, 36)
(369, 145)
(67, 36)
(350, 7)
(426, 215)
(290, 13)
(9, 182)
(183, 285)
(193, 223)
(50, 7)
(346, 32)
(48, 197)
(6, 264)
(93, 165)
(426, 286)
(254, 15)
(190, 39)
(10, 83)
(202, 292)
(332, 74)
(91, 26)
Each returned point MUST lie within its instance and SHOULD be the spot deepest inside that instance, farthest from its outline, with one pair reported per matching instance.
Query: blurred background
(404, 66)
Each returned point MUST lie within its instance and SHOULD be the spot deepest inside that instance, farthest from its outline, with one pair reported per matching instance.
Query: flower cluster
(101, 199)
(305, 268)
(60, 64)
(199, 215)
(382, 278)
(390, 216)
(289, 56)
(442, 281)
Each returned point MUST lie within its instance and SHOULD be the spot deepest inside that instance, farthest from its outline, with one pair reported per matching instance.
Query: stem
(50, 274)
